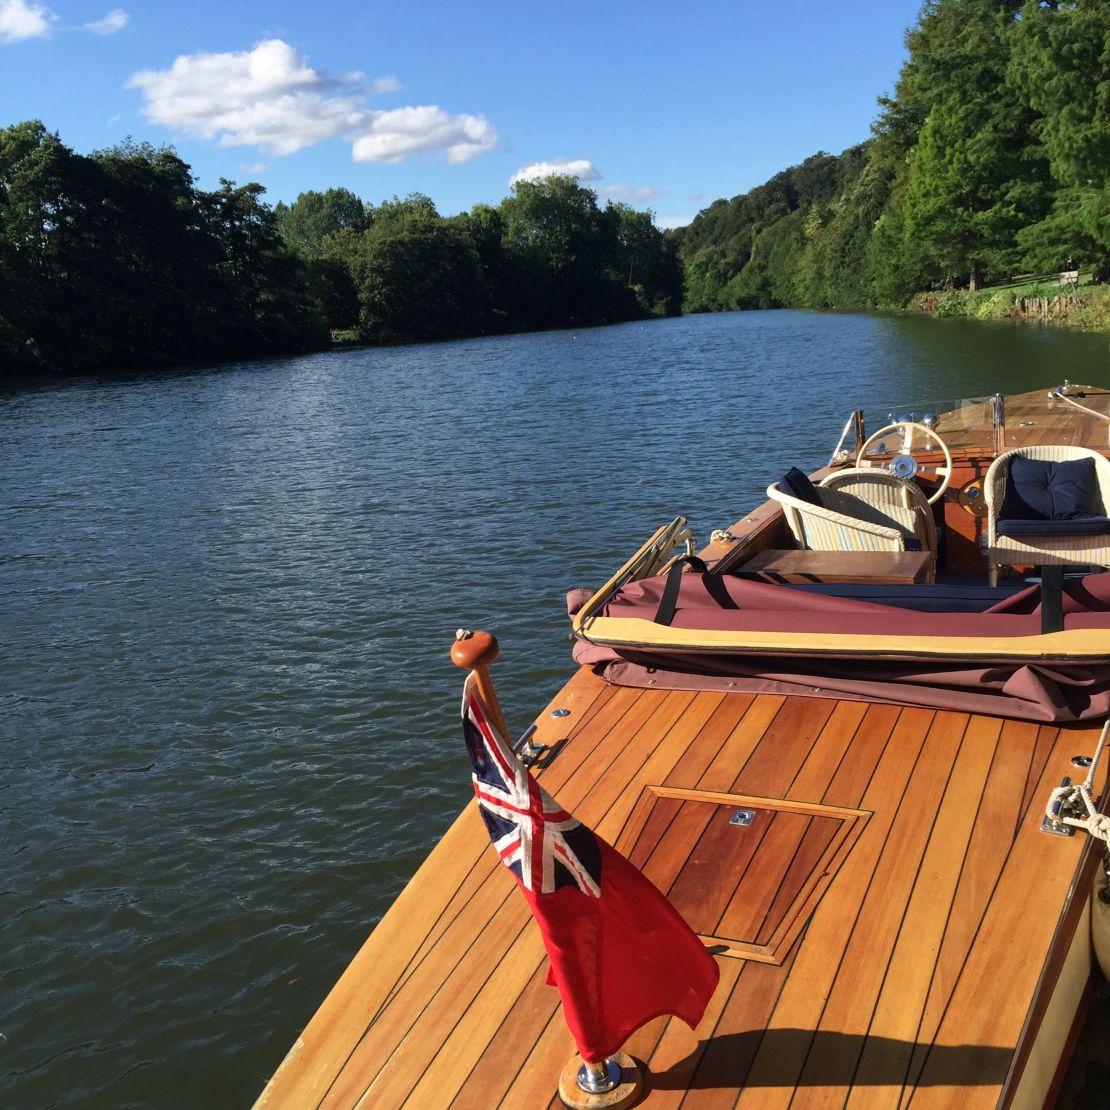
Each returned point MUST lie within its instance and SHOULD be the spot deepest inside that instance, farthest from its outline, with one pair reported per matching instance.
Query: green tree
(313, 217)
(646, 260)
(845, 274)
(154, 256)
(31, 162)
(1060, 65)
(560, 257)
(961, 204)
(972, 175)
(265, 303)
(732, 255)
(116, 259)
(418, 276)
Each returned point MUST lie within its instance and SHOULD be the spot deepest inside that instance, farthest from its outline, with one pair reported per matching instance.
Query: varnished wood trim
(636, 632)
(630, 569)
(797, 913)
(817, 809)
(1078, 906)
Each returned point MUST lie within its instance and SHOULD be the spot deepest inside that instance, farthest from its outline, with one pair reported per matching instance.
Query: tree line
(547, 256)
(991, 158)
(117, 259)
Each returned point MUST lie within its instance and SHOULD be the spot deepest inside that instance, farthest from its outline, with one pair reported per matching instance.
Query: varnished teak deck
(910, 986)
(922, 960)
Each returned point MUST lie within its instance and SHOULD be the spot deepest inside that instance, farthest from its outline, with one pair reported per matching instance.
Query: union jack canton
(542, 844)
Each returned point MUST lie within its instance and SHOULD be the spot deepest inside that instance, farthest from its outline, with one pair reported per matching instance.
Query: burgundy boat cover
(1046, 691)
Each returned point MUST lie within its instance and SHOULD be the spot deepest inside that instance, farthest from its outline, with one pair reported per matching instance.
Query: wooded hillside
(991, 158)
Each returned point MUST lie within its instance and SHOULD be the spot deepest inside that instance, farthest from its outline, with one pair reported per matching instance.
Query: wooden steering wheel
(903, 464)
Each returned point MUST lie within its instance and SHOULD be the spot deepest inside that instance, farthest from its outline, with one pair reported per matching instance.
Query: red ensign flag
(620, 953)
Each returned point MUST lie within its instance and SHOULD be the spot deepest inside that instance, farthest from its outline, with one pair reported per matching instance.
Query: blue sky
(664, 106)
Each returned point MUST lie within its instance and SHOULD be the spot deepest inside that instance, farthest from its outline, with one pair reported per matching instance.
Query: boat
(868, 773)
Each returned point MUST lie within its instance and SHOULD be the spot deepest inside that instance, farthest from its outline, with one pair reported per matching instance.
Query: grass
(1087, 306)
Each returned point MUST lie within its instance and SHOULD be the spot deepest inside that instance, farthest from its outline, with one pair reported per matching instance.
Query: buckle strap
(668, 603)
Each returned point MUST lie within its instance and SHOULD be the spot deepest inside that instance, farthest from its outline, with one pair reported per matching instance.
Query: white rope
(1078, 798)
(1059, 395)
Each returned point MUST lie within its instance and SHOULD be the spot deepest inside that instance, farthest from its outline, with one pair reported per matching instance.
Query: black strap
(669, 601)
(1052, 598)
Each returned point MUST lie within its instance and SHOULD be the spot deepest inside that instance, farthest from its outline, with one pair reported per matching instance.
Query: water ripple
(227, 731)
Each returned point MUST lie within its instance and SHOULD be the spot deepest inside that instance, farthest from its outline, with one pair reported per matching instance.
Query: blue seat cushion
(1088, 525)
(1040, 490)
(796, 483)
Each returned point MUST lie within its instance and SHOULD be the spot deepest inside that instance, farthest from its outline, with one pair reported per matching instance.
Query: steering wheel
(903, 464)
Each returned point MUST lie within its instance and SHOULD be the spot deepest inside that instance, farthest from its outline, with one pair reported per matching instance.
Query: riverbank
(1047, 301)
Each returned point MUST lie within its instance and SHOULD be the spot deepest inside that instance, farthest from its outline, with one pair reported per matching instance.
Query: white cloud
(580, 168)
(114, 21)
(22, 20)
(392, 136)
(636, 194)
(668, 222)
(266, 97)
(386, 84)
(271, 98)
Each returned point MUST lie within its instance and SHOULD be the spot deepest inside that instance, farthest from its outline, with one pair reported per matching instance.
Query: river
(228, 721)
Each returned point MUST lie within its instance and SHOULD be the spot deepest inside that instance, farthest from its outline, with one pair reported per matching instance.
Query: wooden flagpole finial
(472, 650)
(611, 1084)
(475, 651)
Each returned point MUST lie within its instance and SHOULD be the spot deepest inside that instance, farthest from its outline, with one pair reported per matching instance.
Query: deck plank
(885, 1061)
(778, 1031)
(998, 809)
(781, 1059)
(475, 1030)
(863, 968)
(512, 1043)
(979, 1014)
(419, 1017)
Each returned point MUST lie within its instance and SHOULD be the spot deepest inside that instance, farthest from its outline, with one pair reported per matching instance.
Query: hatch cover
(745, 872)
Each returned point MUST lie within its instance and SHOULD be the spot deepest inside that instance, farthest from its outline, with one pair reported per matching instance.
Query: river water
(228, 721)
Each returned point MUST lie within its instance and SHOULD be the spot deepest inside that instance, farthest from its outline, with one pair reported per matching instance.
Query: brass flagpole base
(622, 1084)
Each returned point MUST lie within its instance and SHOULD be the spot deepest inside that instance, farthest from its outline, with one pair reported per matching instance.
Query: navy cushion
(796, 483)
(1087, 525)
(1041, 490)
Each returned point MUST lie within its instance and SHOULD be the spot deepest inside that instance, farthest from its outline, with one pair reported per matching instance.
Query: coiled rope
(1066, 802)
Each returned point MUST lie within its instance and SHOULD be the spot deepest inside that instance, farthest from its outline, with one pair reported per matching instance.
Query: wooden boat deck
(904, 931)
(1031, 418)
(909, 986)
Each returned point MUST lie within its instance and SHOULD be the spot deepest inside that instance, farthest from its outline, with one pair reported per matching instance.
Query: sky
(666, 107)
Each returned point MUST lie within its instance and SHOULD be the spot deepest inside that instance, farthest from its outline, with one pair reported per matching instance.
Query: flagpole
(475, 651)
(610, 1084)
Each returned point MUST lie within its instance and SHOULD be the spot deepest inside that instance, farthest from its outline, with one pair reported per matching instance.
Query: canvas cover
(1056, 690)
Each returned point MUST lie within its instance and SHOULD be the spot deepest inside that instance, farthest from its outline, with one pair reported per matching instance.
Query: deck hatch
(746, 872)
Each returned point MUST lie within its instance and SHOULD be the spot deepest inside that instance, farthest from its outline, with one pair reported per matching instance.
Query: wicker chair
(846, 522)
(885, 491)
(1046, 550)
